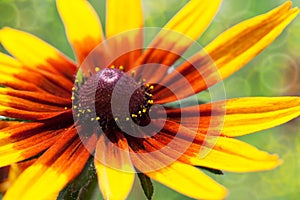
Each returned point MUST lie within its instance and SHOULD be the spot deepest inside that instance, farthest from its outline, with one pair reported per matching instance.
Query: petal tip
(275, 161)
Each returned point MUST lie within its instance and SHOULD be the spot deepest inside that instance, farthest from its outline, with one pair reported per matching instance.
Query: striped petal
(22, 104)
(247, 115)
(12, 82)
(179, 143)
(229, 52)
(243, 115)
(114, 168)
(124, 18)
(53, 170)
(189, 181)
(35, 53)
(24, 140)
(240, 44)
(189, 78)
(12, 72)
(82, 25)
(47, 99)
(178, 34)
(233, 155)
(31, 115)
(26, 148)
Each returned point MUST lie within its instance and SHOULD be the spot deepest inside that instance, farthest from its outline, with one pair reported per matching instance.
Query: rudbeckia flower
(114, 104)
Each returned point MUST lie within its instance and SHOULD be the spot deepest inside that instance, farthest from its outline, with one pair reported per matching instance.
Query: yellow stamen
(150, 101)
(132, 73)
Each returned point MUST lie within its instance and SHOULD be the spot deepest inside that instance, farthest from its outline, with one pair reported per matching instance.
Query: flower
(63, 123)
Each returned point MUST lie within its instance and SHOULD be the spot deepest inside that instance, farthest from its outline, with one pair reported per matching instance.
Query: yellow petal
(241, 116)
(241, 43)
(248, 115)
(8, 175)
(233, 155)
(123, 16)
(178, 34)
(189, 181)
(82, 26)
(35, 53)
(9, 155)
(6, 60)
(126, 19)
(14, 151)
(114, 169)
(193, 19)
(53, 170)
(21, 189)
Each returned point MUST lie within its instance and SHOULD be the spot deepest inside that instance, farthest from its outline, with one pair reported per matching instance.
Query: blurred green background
(276, 71)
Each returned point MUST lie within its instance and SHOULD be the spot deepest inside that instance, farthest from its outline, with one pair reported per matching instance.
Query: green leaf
(146, 185)
(81, 185)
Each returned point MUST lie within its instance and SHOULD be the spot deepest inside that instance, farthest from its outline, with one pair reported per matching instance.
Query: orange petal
(30, 115)
(4, 124)
(229, 52)
(53, 170)
(243, 115)
(178, 34)
(188, 79)
(182, 178)
(82, 26)
(171, 143)
(27, 148)
(28, 80)
(114, 169)
(22, 104)
(35, 53)
(42, 98)
(12, 82)
(24, 140)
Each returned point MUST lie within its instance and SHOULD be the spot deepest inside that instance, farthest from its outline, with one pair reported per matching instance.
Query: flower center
(113, 96)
